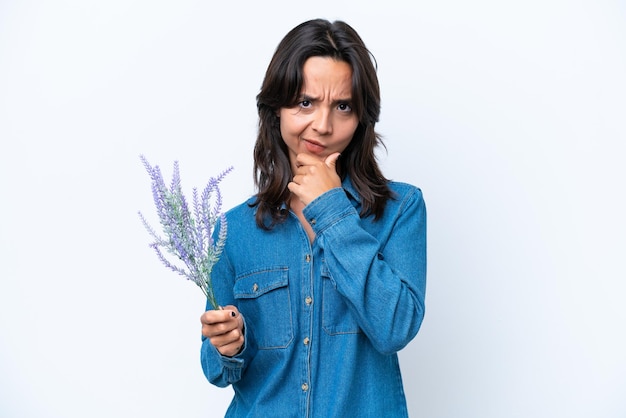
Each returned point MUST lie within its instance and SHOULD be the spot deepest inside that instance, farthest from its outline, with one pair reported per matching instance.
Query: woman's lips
(313, 147)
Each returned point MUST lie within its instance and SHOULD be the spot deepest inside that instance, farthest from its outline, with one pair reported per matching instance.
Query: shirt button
(308, 300)
(255, 287)
(305, 387)
(313, 221)
(306, 341)
(308, 258)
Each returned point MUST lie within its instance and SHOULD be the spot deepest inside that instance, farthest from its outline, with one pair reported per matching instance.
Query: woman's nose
(322, 122)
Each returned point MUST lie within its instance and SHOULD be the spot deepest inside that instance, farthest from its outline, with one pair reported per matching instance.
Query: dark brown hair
(281, 87)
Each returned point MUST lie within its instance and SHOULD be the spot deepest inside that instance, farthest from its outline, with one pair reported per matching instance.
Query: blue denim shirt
(323, 321)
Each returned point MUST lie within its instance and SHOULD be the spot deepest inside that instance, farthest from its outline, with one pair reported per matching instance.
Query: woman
(324, 270)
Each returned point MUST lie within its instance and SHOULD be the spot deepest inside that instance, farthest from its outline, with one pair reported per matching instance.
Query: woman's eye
(305, 103)
(344, 107)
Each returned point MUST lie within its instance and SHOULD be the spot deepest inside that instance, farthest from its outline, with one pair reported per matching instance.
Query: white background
(509, 115)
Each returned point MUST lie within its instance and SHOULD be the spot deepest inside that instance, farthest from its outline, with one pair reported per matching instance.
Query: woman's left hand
(314, 177)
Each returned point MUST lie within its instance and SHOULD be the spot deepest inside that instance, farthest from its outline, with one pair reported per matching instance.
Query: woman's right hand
(224, 328)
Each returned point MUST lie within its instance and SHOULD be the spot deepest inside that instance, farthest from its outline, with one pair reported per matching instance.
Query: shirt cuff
(328, 209)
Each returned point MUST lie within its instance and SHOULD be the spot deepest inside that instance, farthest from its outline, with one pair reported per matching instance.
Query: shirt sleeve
(382, 282)
(222, 370)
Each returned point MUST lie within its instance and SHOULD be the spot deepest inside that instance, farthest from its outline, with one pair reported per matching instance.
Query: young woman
(323, 273)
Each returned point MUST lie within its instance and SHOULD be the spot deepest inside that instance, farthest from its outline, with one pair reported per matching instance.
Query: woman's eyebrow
(309, 98)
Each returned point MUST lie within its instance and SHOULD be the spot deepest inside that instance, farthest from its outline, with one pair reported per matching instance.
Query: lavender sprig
(188, 236)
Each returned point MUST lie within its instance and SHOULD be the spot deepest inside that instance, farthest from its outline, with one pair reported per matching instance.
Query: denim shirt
(323, 321)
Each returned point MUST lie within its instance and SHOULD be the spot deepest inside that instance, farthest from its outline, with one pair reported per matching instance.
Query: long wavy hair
(281, 87)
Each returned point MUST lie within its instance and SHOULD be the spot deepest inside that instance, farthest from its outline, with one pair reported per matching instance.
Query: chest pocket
(336, 317)
(263, 299)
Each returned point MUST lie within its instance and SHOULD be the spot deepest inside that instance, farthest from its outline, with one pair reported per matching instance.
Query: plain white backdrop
(509, 115)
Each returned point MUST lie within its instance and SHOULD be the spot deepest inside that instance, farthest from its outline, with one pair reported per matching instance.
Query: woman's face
(322, 122)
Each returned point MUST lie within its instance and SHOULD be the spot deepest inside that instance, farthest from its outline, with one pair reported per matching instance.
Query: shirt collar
(351, 192)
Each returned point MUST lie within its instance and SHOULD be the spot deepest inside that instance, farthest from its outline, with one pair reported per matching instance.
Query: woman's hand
(313, 177)
(224, 328)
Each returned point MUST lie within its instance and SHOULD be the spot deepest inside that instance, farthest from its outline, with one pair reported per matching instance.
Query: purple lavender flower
(188, 236)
